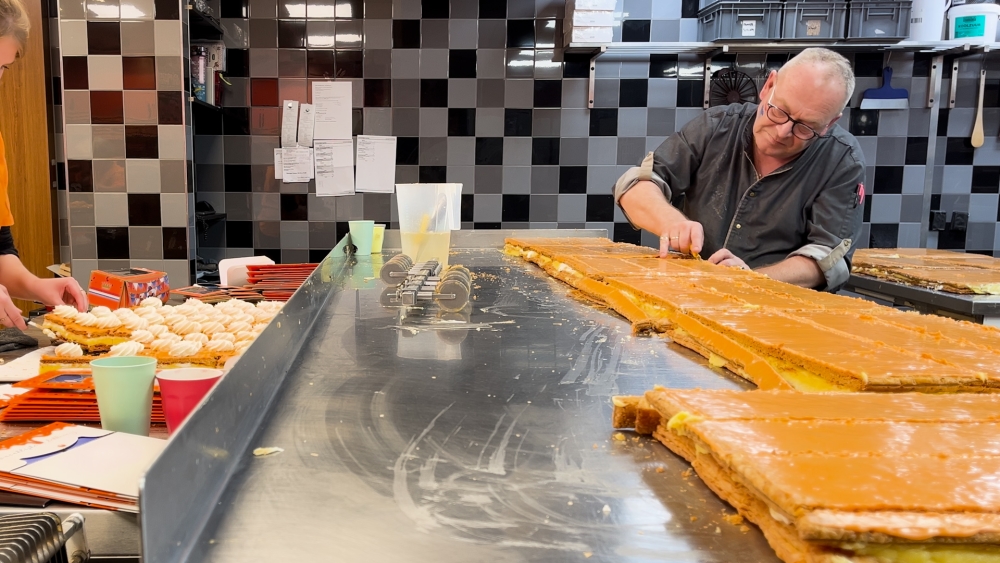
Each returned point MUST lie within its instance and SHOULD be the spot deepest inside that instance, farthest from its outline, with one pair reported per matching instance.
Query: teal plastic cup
(362, 233)
(124, 388)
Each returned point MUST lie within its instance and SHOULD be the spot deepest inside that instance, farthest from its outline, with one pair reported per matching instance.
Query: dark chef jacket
(810, 207)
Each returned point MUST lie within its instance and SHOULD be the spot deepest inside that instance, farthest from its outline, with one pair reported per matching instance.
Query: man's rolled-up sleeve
(833, 225)
(7, 242)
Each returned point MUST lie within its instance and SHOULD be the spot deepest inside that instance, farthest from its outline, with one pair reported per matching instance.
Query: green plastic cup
(362, 233)
(124, 388)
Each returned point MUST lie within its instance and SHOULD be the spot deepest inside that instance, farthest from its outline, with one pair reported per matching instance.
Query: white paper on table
(376, 164)
(332, 101)
(334, 167)
(307, 118)
(277, 163)
(289, 122)
(24, 367)
(297, 165)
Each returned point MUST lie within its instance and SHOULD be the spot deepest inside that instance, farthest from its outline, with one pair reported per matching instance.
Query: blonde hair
(14, 22)
(835, 65)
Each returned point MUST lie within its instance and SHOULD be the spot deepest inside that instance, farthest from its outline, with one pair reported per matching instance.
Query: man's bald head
(823, 66)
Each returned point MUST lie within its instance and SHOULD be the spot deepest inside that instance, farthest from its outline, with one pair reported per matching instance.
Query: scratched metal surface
(422, 438)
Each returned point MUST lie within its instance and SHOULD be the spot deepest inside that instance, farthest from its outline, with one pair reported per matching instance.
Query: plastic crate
(815, 21)
(878, 20)
(730, 21)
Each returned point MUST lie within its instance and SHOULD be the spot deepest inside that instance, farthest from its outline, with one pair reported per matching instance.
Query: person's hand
(726, 258)
(10, 315)
(61, 291)
(686, 237)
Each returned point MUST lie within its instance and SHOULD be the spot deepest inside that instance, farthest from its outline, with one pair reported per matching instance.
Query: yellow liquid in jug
(427, 246)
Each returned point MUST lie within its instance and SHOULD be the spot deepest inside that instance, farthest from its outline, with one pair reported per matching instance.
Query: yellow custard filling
(926, 553)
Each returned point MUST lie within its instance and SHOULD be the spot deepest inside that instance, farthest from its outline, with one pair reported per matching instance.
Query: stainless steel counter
(983, 309)
(418, 436)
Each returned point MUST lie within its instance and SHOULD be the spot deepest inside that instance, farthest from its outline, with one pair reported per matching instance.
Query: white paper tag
(277, 164)
(749, 28)
(306, 119)
(289, 122)
(297, 165)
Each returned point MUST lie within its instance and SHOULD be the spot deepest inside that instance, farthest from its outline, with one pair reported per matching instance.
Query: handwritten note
(376, 164)
(334, 167)
(332, 101)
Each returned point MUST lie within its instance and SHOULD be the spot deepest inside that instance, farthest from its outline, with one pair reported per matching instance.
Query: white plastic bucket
(927, 20)
(976, 23)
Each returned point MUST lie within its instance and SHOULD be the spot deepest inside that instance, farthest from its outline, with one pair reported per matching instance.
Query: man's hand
(60, 291)
(686, 237)
(726, 258)
(10, 315)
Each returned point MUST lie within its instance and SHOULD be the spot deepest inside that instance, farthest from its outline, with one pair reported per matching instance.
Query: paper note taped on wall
(812, 28)
(749, 28)
(289, 122)
(332, 101)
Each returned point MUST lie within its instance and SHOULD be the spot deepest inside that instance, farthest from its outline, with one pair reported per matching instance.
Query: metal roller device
(411, 283)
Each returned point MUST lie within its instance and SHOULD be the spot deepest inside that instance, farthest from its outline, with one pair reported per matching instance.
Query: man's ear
(768, 84)
(835, 119)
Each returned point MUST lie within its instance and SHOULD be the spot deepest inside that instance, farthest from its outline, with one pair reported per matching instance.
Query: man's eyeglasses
(781, 117)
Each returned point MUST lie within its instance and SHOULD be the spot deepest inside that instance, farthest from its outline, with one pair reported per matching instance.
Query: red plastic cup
(182, 389)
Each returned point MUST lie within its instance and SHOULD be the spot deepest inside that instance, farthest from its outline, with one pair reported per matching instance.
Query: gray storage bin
(819, 21)
(731, 21)
(879, 20)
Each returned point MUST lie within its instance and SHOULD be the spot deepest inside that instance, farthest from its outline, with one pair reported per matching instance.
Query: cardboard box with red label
(127, 288)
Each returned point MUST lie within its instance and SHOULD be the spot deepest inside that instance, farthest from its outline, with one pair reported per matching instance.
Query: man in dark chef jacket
(777, 187)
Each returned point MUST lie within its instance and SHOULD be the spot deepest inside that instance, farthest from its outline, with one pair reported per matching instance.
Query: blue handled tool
(886, 97)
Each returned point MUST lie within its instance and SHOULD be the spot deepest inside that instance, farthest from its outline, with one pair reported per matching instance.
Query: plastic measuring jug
(427, 215)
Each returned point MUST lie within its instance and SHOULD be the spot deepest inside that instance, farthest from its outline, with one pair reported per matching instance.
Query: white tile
(137, 9)
(957, 180)
(142, 175)
(110, 210)
(983, 208)
(74, 38)
(171, 141)
(173, 210)
(105, 72)
(909, 235)
(79, 142)
(179, 271)
(82, 269)
(167, 37)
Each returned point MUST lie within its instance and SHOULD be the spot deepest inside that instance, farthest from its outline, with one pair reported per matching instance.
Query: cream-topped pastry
(196, 337)
(212, 327)
(186, 327)
(151, 302)
(228, 336)
(239, 326)
(85, 319)
(174, 318)
(65, 311)
(143, 336)
(161, 344)
(157, 329)
(184, 349)
(171, 337)
(101, 311)
(220, 346)
(69, 350)
(134, 322)
(248, 335)
(126, 349)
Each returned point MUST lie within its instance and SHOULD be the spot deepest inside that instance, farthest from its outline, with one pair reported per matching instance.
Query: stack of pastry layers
(838, 478)
(777, 335)
(193, 334)
(941, 270)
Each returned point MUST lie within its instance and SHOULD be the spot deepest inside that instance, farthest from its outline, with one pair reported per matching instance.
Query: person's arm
(22, 284)
(650, 210)
(796, 270)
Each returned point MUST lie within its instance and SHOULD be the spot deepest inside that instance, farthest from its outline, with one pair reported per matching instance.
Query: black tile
(544, 150)
(433, 92)
(942, 124)
(291, 34)
(604, 122)
(167, 9)
(112, 243)
(234, 9)
(236, 121)
(600, 207)
(56, 91)
(868, 64)
(378, 92)
(935, 201)
(690, 93)
(343, 227)
(433, 174)
(625, 233)
(951, 239)
(317, 255)
(922, 64)
(468, 207)
(864, 122)
(239, 234)
(407, 150)
(175, 243)
(517, 122)
(272, 253)
(141, 141)
(663, 66)
(263, 34)
(80, 175)
(461, 122)
(985, 179)
(405, 34)
(144, 210)
(576, 65)
(491, 9)
(867, 214)
(520, 33)
(884, 235)
(170, 108)
(959, 151)
(635, 31)
(689, 8)
(434, 8)
(104, 38)
(516, 207)
(572, 179)
(294, 207)
(207, 121)
(61, 175)
(357, 122)
(462, 63)
(633, 92)
(107, 107)
(946, 68)
(75, 73)
(991, 93)
(888, 180)
(486, 226)
(350, 64)
(916, 150)
(489, 151)
(938, 221)
(238, 178)
(320, 63)
(548, 93)
(237, 62)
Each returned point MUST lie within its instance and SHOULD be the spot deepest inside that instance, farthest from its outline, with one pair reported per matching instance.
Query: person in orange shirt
(15, 279)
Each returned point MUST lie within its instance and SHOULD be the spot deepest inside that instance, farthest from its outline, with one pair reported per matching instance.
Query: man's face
(805, 97)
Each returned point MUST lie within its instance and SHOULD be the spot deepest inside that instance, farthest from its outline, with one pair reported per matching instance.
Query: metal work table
(983, 309)
(418, 436)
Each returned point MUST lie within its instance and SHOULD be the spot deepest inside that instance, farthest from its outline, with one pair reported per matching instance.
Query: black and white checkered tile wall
(479, 92)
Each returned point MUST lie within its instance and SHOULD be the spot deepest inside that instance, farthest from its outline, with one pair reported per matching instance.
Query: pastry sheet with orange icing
(777, 335)
(837, 478)
(942, 270)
